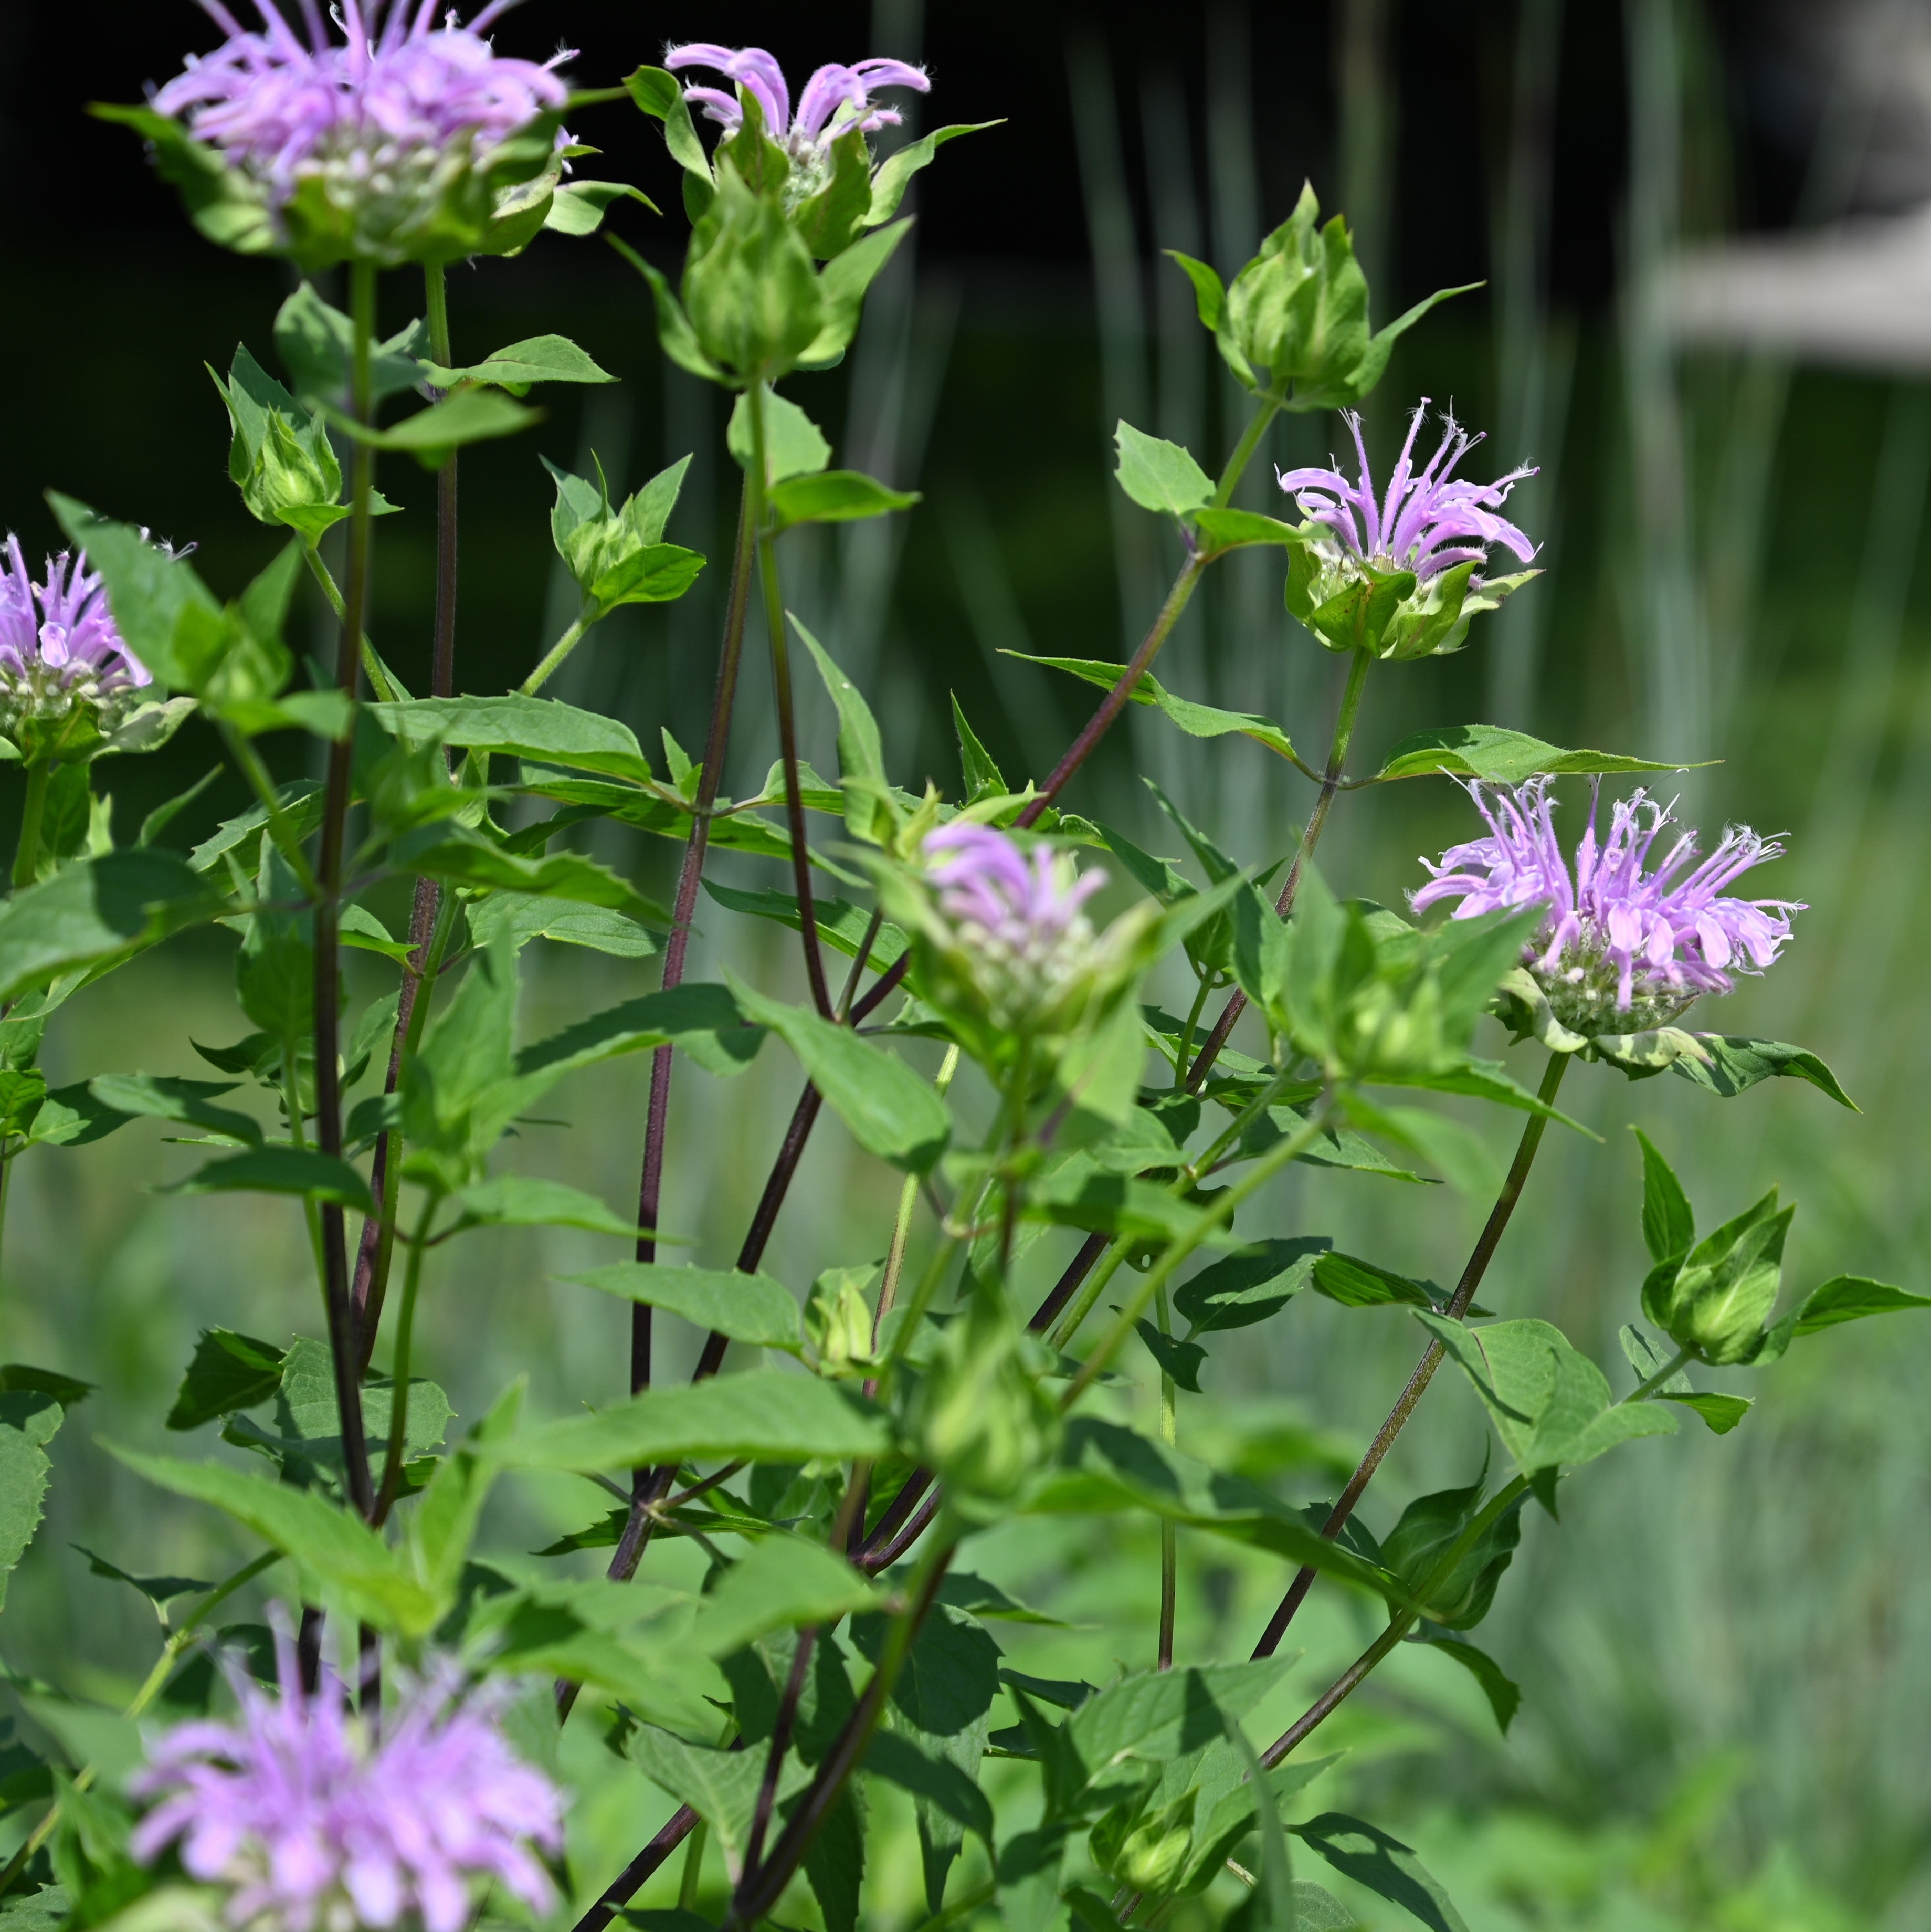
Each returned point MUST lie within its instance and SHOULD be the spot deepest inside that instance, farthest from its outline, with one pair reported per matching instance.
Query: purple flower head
(381, 118)
(1625, 946)
(836, 99)
(1425, 521)
(60, 651)
(1015, 920)
(315, 1826)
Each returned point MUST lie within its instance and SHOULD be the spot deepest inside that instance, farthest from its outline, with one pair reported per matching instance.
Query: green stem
(389, 1153)
(758, 474)
(328, 913)
(561, 650)
(1219, 1210)
(310, 1209)
(693, 1868)
(384, 687)
(33, 810)
(1091, 1289)
(1169, 1538)
(1330, 783)
(1185, 1058)
(248, 762)
(405, 1340)
(1673, 1367)
(1244, 450)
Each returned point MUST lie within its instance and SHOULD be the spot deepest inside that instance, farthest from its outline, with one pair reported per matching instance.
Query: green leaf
(1103, 1467)
(22, 1377)
(541, 358)
(330, 1544)
(870, 811)
(159, 1591)
(841, 925)
(1249, 1287)
(189, 1103)
(842, 287)
(1210, 292)
(1430, 1529)
(890, 1111)
(28, 1418)
(837, 496)
(895, 172)
(794, 445)
(98, 910)
(1197, 721)
(1669, 1227)
(661, 95)
(702, 1019)
(783, 1583)
(299, 802)
(895, 1756)
(1355, 1283)
(1159, 475)
(765, 1416)
(749, 1308)
(1722, 1294)
(1845, 1298)
(1734, 1063)
(445, 850)
(1550, 1405)
(279, 1169)
(721, 1787)
(1502, 758)
(1182, 1361)
(983, 778)
(1233, 529)
(578, 207)
(518, 727)
(230, 1371)
(524, 1200)
(316, 344)
(520, 917)
(1720, 1414)
(1504, 1696)
(1389, 1869)
(470, 415)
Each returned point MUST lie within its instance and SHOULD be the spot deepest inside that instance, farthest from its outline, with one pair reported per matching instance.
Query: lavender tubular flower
(1625, 947)
(836, 99)
(379, 147)
(316, 1827)
(1427, 523)
(66, 674)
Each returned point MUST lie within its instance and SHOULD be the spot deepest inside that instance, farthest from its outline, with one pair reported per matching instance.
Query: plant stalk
(33, 811)
(328, 959)
(1330, 783)
(405, 1341)
(1483, 1252)
(756, 477)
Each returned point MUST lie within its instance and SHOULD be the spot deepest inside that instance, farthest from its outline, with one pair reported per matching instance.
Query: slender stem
(33, 810)
(310, 1208)
(419, 975)
(327, 958)
(1477, 1266)
(248, 761)
(383, 685)
(1169, 1541)
(405, 1342)
(1077, 1270)
(787, 723)
(442, 652)
(1399, 1623)
(1649, 1386)
(648, 1486)
(624, 1886)
(781, 1743)
(1221, 1209)
(761, 1888)
(693, 1868)
(1116, 700)
(1074, 1317)
(561, 650)
(1330, 783)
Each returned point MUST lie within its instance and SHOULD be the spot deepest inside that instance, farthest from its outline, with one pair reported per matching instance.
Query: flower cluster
(318, 1828)
(1014, 922)
(1624, 948)
(1426, 521)
(837, 100)
(382, 123)
(60, 653)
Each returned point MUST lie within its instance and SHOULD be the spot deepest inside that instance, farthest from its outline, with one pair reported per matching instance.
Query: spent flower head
(1626, 946)
(66, 672)
(371, 141)
(837, 100)
(317, 1826)
(1426, 521)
